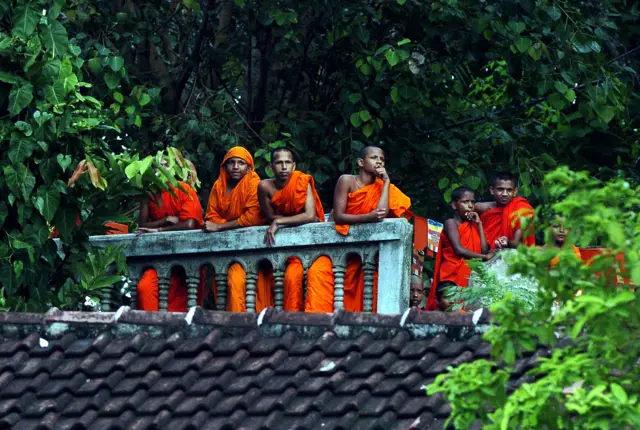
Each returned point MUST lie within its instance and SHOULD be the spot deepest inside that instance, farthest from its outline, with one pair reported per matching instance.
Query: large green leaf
(47, 202)
(25, 19)
(116, 63)
(20, 150)
(55, 93)
(20, 180)
(55, 39)
(34, 47)
(65, 221)
(19, 98)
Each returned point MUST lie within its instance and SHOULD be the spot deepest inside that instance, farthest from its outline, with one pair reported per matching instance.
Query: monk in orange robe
(559, 236)
(233, 203)
(366, 197)
(167, 212)
(502, 217)
(463, 237)
(291, 199)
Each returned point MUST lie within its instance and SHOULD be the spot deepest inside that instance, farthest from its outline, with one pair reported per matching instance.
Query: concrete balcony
(387, 244)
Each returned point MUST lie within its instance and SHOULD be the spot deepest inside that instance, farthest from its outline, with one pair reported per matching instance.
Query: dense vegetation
(452, 90)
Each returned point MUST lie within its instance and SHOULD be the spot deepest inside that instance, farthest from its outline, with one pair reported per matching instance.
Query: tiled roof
(222, 370)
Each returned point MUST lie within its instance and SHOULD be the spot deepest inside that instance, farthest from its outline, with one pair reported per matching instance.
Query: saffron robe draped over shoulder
(504, 221)
(240, 204)
(556, 260)
(290, 201)
(185, 205)
(451, 267)
(360, 202)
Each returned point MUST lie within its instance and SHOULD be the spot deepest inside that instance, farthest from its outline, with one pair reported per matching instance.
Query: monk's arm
(309, 214)
(484, 246)
(383, 203)
(187, 224)
(482, 207)
(340, 197)
(265, 202)
(144, 219)
(451, 230)
(517, 238)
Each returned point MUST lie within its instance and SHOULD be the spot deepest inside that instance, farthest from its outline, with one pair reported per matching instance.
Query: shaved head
(365, 151)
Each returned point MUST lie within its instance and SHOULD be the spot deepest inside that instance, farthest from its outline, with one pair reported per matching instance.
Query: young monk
(366, 197)
(164, 211)
(462, 238)
(291, 199)
(502, 217)
(559, 236)
(417, 298)
(233, 203)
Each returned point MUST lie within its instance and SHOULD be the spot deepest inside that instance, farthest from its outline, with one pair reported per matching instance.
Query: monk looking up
(502, 217)
(288, 200)
(462, 238)
(233, 203)
(366, 197)
(164, 211)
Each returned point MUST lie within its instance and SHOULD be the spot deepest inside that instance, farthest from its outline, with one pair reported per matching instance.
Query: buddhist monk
(558, 237)
(417, 298)
(462, 238)
(164, 211)
(288, 200)
(363, 198)
(233, 203)
(502, 217)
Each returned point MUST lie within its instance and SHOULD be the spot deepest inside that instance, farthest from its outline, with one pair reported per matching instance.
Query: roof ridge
(126, 321)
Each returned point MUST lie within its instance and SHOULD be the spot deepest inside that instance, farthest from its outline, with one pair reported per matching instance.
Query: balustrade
(385, 246)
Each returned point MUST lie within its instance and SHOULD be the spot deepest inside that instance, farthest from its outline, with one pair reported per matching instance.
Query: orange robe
(290, 201)
(449, 266)
(184, 205)
(240, 204)
(504, 221)
(361, 202)
(556, 260)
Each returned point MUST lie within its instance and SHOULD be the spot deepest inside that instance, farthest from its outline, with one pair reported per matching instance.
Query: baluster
(251, 292)
(221, 282)
(278, 277)
(163, 293)
(304, 286)
(133, 287)
(369, 268)
(338, 294)
(192, 290)
(105, 301)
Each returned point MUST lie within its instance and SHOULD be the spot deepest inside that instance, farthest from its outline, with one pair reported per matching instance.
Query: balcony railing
(386, 244)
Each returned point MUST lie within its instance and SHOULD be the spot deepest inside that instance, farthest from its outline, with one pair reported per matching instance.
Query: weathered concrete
(388, 242)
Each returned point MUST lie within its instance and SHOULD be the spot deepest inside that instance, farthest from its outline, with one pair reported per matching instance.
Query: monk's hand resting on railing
(172, 219)
(270, 234)
(501, 242)
(210, 227)
(142, 230)
(377, 215)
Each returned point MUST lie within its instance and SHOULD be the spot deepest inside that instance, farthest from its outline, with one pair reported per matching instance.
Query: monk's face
(417, 291)
(236, 168)
(374, 159)
(465, 204)
(282, 165)
(503, 191)
(558, 232)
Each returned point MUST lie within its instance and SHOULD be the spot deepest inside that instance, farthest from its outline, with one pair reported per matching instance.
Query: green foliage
(52, 118)
(490, 285)
(590, 383)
